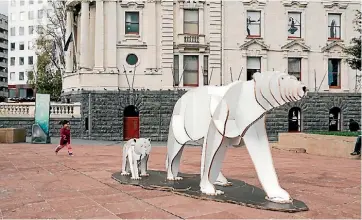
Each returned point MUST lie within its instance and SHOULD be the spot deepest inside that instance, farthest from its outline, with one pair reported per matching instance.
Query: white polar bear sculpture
(135, 155)
(221, 116)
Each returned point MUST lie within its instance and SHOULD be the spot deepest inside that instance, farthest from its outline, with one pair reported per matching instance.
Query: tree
(47, 77)
(354, 51)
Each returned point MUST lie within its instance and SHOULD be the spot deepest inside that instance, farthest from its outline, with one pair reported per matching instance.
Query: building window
(31, 15)
(12, 93)
(191, 21)
(21, 75)
(294, 120)
(334, 26)
(31, 30)
(253, 23)
(176, 70)
(30, 60)
(40, 29)
(335, 119)
(22, 16)
(13, 16)
(334, 73)
(12, 76)
(40, 1)
(253, 66)
(40, 14)
(132, 59)
(12, 31)
(206, 70)
(31, 2)
(21, 61)
(30, 45)
(22, 2)
(22, 93)
(191, 70)
(21, 46)
(12, 61)
(13, 2)
(294, 67)
(12, 46)
(294, 25)
(21, 31)
(132, 23)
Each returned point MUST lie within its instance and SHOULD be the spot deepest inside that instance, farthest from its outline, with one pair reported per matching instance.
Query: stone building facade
(3, 57)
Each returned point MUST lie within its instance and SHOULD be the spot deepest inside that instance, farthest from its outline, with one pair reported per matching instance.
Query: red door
(131, 128)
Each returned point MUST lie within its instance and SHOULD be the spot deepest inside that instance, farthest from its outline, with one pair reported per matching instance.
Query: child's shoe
(56, 150)
(70, 154)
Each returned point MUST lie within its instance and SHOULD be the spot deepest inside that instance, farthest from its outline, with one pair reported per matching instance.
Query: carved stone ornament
(290, 3)
(132, 3)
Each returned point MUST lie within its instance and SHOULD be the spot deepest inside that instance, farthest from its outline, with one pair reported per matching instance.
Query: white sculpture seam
(221, 116)
(135, 157)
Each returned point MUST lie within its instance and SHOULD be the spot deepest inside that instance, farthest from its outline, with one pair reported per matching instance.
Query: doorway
(131, 123)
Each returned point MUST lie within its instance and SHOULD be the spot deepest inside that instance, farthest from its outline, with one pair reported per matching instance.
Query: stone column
(111, 36)
(69, 54)
(99, 37)
(84, 43)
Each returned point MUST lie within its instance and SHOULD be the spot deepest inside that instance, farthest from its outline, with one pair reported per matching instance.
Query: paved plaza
(36, 183)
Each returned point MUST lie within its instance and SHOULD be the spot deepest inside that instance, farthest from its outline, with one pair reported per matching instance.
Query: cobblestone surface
(36, 183)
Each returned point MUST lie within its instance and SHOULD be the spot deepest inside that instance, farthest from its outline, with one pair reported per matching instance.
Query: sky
(4, 7)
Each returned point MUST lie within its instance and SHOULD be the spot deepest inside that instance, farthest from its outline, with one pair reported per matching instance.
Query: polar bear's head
(273, 89)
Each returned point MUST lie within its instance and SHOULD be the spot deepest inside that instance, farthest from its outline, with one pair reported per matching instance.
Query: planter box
(12, 135)
(324, 145)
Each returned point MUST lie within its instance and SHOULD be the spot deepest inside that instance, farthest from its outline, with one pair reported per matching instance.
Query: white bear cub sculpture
(135, 157)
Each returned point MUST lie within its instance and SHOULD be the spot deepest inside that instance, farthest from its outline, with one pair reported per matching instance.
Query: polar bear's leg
(214, 155)
(221, 180)
(174, 152)
(124, 161)
(256, 141)
(144, 166)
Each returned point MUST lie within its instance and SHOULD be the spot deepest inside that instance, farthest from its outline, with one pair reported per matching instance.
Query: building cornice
(338, 4)
(291, 3)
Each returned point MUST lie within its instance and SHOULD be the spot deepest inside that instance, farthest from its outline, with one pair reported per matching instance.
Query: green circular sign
(132, 59)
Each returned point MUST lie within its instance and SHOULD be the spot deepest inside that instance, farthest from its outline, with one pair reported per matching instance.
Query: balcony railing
(27, 110)
(190, 39)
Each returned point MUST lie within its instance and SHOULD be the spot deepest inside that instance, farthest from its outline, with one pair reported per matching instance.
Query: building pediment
(132, 3)
(337, 4)
(335, 45)
(254, 2)
(296, 45)
(254, 44)
(290, 3)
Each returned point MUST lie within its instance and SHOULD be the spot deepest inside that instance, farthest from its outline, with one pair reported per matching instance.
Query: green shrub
(336, 133)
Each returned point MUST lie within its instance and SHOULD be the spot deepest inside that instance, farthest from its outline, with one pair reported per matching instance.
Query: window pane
(12, 93)
(190, 78)
(333, 72)
(132, 17)
(190, 28)
(253, 63)
(191, 63)
(21, 75)
(21, 31)
(294, 65)
(334, 26)
(132, 28)
(294, 24)
(31, 30)
(22, 93)
(176, 69)
(12, 30)
(253, 23)
(191, 16)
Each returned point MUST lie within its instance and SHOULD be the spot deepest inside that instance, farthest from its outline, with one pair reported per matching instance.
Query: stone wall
(27, 123)
(156, 107)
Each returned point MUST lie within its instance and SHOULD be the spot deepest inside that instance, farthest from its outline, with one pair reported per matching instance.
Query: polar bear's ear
(134, 139)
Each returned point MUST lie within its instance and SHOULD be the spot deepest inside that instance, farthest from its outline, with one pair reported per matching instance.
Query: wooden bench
(12, 135)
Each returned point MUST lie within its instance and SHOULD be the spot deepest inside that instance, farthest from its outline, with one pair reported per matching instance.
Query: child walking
(64, 138)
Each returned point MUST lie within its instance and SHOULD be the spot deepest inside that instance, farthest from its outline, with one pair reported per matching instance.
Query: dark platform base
(239, 193)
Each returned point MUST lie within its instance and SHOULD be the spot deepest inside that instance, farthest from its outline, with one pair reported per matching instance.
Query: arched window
(294, 120)
(334, 119)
